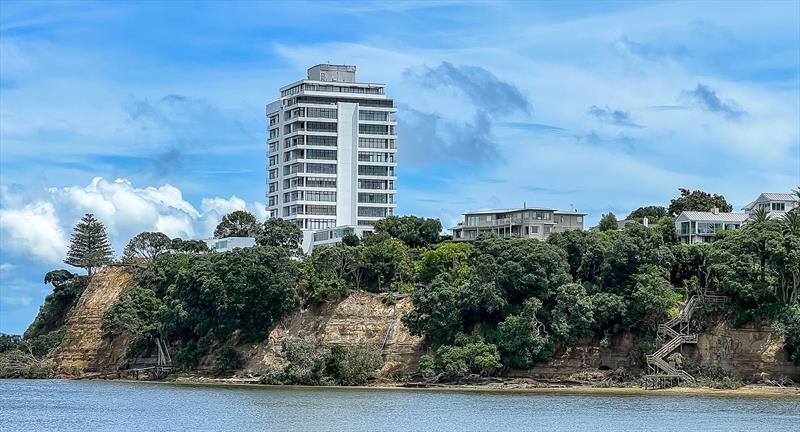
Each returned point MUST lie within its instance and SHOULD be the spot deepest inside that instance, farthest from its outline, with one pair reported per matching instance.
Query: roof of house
(512, 210)
(770, 196)
(708, 216)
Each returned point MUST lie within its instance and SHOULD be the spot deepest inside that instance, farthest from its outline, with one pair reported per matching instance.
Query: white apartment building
(331, 152)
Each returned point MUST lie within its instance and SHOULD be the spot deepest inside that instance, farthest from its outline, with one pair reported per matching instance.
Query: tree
(216, 294)
(573, 314)
(411, 230)
(136, 313)
(384, 262)
(610, 311)
(449, 259)
(791, 222)
(350, 239)
(67, 289)
(653, 213)
(437, 312)
(760, 215)
(89, 248)
(652, 298)
(519, 268)
(522, 339)
(697, 201)
(147, 245)
(469, 354)
(239, 223)
(281, 233)
(188, 246)
(608, 222)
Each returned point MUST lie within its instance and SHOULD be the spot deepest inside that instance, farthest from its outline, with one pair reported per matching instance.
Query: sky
(152, 115)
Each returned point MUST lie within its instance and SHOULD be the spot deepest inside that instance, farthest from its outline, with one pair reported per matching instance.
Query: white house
(775, 204)
(701, 227)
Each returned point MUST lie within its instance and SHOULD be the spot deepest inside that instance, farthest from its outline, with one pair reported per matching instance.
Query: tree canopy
(608, 222)
(239, 223)
(147, 246)
(652, 212)
(281, 233)
(697, 200)
(89, 248)
(412, 230)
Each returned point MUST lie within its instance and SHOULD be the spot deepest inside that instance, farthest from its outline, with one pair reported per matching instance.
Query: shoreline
(750, 390)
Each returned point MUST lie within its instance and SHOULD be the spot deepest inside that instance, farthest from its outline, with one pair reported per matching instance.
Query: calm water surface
(113, 406)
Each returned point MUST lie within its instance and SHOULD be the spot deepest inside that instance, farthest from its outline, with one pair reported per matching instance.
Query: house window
(778, 207)
(535, 229)
(547, 229)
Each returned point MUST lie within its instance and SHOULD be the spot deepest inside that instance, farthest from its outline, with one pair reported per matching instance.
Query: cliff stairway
(673, 335)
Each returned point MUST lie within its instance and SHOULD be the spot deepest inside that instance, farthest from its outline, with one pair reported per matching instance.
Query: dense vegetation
(481, 306)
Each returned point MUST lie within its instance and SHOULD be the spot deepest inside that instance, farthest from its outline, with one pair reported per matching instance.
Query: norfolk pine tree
(89, 247)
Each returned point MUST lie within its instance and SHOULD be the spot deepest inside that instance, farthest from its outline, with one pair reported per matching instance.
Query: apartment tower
(331, 153)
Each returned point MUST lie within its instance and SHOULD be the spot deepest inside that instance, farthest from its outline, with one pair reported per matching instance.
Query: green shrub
(353, 365)
(228, 359)
(469, 355)
(306, 361)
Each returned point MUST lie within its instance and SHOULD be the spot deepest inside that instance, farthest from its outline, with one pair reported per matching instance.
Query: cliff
(750, 353)
(83, 349)
(359, 317)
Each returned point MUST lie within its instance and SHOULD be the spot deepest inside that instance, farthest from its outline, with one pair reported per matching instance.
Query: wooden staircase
(672, 335)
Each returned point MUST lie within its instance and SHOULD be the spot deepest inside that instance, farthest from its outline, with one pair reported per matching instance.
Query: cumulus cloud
(706, 98)
(482, 87)
(34, 228)
(37, 229)
(612, 116)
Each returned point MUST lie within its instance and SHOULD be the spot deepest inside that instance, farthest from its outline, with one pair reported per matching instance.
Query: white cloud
(222, 205)
(34, 228)
(37, 229)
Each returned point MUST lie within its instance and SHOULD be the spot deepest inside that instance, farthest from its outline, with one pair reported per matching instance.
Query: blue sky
(151, 115)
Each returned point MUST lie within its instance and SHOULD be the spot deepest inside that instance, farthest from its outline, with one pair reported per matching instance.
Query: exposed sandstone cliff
(83, 349)
(359, 317)
(749, 352)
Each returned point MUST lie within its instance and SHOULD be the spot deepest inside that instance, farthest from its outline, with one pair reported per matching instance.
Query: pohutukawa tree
(147, 246)
(89, 248)
(238, 224)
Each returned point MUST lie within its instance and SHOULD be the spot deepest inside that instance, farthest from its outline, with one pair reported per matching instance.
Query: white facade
(702, 227)
(331, 152)
(228, 244)
(775, 204)
(334, 235)
(527, 222)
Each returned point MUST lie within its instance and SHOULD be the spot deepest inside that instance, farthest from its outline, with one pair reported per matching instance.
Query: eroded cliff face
(83, 350)
(359, 317)
(750, 353)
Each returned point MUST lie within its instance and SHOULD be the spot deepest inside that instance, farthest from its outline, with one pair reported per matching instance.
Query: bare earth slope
(359, 317)
(83, 349)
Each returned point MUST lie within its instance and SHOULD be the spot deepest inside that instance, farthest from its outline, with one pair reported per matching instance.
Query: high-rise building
(331, 152)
